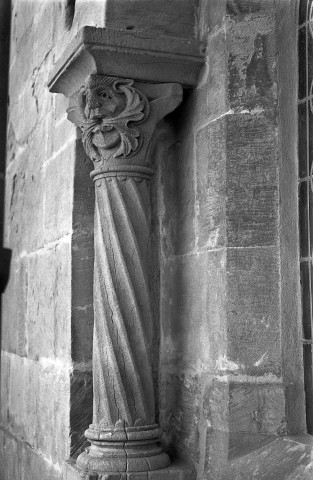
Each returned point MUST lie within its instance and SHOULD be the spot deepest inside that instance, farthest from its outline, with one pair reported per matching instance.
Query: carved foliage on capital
(109, 110)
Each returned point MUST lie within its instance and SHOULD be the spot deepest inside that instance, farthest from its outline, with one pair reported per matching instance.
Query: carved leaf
(104, 105)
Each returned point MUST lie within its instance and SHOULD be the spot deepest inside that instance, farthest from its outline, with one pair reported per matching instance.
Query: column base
(104, 463)
(123, 449)
(176, 471)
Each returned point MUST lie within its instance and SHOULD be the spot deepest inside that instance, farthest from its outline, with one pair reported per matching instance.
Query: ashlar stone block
(53, 410)
(177, 184)
(24, 198)
(252, 179)
(59, 184)
(48, 300)
(253, 305)
(211, 158)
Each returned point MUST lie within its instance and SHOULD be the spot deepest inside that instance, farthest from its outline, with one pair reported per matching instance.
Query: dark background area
(5, 14)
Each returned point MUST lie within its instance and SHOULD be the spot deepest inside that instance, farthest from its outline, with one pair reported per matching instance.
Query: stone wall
(47, 306)
(227, 334)
(4, 51)
(231, 355)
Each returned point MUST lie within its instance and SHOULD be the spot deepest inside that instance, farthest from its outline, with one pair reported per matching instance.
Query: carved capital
(108, 110)
(118, 116)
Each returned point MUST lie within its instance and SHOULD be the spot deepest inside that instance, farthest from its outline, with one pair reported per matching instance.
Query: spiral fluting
(123, 320)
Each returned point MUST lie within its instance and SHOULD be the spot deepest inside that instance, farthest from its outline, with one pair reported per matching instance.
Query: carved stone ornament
(118, 118)
(108, 110)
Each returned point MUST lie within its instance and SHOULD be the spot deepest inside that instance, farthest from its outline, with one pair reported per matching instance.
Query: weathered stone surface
(160, 17)
(5, 13)
(53, 393)
(283, 458)
(19, 461)
(256, 408)
(192, 301)
(58, 192)
(23, 112)
(44, 30)
(1, 201)
(64, 131)
(9, 305)
(9, 467)
(177, 471)
(178, 212)
(21, 29)
(208, 101)
(37, 467)
(15, 306)
(253, 308)
(24, 199)
(36, 395)
(213, 427)
(179, 413)
(292, 356)
(82, 258)
(229, 315)
(211, 185)
(5, 388)
(81, 407)
(212, 17)
(22, 408)
(21, 307)
(49, 302)
(237, 416)
(251, 47)
(252, 180)
(124, 54)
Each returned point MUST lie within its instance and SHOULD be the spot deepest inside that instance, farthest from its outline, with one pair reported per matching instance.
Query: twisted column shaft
(123, 320)
(118, 119)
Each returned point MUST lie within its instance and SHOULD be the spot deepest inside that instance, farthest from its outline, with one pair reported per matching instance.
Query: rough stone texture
(48, 304)
(228, 362)
(81, 407)
(119, 53)
(140, 15)
(292, 359)
(18, 460)
(177, 471)
(82, 300)
(253, 311)
(225, 229)
(58, 199)
(179, 217)
(4, 57)
(273, 458)
(40, 401)
(159, 17)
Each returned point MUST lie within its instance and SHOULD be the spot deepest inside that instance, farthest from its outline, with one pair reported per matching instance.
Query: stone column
(117, 118)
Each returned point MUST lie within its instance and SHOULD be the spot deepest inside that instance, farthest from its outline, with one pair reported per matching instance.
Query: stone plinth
(177, 471)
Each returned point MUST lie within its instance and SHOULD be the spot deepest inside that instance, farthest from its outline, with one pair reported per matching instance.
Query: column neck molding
(122, 172)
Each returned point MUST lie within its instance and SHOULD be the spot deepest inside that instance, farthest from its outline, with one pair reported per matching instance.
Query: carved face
(103, 102)
(107, 110)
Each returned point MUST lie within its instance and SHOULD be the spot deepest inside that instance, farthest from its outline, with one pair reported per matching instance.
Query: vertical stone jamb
(117, 118)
